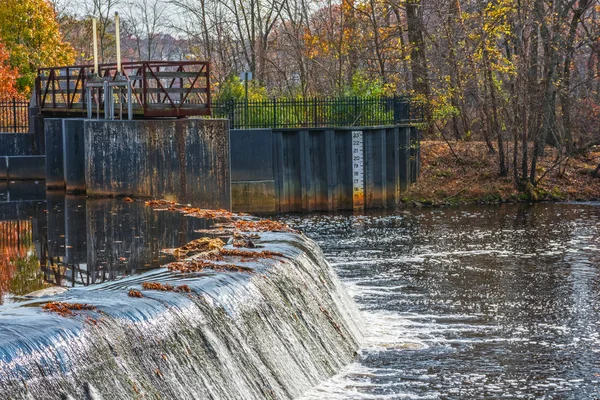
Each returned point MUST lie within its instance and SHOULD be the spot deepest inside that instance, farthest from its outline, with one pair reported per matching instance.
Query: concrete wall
(252, 171)
(186, 160)
(17, 144)
(311, 169)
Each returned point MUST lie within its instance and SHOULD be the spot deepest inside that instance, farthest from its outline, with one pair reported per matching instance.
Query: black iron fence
(14, 116)
(318, 112)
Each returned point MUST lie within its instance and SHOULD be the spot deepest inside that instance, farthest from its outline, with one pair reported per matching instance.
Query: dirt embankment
(471, 176)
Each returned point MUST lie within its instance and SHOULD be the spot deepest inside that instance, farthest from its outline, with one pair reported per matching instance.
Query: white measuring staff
(358, 174)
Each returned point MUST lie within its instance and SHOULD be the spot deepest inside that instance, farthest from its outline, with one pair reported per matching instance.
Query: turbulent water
(457, 303)
(469, 303)
(273, 333)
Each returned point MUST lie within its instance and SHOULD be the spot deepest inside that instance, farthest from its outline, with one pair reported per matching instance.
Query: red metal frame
(160, 88)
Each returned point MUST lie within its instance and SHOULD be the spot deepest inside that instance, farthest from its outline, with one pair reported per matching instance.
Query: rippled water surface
(498, 302)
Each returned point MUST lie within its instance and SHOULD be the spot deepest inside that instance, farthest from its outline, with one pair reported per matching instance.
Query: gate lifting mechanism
(104, 92)
(98, 89)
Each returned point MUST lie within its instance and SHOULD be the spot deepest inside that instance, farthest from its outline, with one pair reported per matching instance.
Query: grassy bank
(470, 176)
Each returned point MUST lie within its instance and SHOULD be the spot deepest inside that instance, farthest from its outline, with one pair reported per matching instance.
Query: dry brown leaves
(201, 265)
(263, 225)
(66, 309)
(195, 247)
(135, 293)
(191, 211)
(208, 261)
(474, 176)
(247, 243)
(245, 254)
(165, 287)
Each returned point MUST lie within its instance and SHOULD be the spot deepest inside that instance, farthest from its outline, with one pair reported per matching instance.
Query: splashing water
(273, 333)
(473, 302)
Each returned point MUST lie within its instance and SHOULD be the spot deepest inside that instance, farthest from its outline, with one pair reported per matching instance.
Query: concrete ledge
(74, 155)
(24, 168)
(255, 197)
(251, 155)
(16, 144)
(55, 175)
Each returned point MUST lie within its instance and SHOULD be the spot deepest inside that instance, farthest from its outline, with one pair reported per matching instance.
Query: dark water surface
(458, 303)
(49, 239)
(469, 303)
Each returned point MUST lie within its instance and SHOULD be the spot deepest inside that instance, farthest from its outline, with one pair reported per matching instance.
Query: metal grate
(14, 116)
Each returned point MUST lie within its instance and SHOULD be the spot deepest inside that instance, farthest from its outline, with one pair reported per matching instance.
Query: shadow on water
(51, 238)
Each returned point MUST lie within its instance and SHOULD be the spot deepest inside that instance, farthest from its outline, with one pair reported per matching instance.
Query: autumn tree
(8, 75)
(32, 38)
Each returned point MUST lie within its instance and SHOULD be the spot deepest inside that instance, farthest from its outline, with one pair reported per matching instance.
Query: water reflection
(70, 240)
(475, 302)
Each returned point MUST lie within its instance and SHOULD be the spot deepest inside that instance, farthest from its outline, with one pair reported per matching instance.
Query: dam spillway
(273, 330)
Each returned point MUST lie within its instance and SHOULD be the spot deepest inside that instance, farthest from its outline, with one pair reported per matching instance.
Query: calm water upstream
(460, 303)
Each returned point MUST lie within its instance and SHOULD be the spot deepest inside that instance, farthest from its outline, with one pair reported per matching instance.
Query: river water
(460, 303)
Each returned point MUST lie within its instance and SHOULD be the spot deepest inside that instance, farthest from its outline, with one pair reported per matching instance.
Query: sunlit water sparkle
(495, 302)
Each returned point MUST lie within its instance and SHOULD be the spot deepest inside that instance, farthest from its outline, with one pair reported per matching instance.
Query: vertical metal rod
(95, 33)
(129, 101)
(88, 93)
(118, 40)
(107, 100)
(15, 114)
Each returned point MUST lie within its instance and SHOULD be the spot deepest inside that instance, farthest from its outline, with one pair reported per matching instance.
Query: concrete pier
(312, 169)
(203, 163)
(184, 160)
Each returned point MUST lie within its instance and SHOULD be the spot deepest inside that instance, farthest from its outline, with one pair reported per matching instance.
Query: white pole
(94, 30)
(118, 37)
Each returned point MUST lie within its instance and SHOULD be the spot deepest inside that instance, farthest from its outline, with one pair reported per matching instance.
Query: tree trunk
(418, 58)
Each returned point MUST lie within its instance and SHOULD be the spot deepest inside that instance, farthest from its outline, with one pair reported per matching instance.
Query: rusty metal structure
(158, 89)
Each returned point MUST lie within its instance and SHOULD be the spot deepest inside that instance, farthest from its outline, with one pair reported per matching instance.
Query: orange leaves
(8, 75)
(201, 265)
(164, 287)
(66, 309)
(135, 293)
(264, 225)
(31, 34)
(195, 247)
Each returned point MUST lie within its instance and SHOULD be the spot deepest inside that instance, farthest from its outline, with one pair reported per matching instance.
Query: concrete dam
(132, 269)
(244, 326)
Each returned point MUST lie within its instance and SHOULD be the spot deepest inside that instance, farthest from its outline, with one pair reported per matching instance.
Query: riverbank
(470, 176)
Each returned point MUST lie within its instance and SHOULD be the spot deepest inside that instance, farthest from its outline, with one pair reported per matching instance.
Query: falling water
(273, 333)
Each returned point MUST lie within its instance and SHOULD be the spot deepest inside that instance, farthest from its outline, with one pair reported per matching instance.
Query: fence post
(396, 107)
(231, 112)
(15, 115)
(274, 113)
(355, 110)
(314, 100)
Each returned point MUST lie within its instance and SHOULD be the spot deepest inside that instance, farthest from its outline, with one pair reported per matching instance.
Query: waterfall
(270, 334)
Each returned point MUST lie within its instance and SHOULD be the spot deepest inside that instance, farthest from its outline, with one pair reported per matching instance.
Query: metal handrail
(159, 88)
